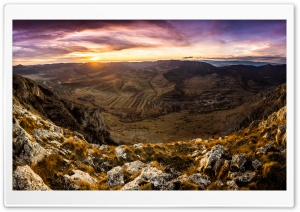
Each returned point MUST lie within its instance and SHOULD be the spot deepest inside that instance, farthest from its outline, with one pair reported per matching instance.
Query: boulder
(211, 158)
(238, 162)
(115, 177)
(137, 146)
(201, 180)
(134, 167)
(120, 152)
(150, 174)
(24, 178)
(25, 150)
(78, 175)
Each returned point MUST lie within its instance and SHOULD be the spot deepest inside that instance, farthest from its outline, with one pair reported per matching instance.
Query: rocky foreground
(49, 157)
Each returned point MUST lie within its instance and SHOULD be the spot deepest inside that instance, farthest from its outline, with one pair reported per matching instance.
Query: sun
(96, 58)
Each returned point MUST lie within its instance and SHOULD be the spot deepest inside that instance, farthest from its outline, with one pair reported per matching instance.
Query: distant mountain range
(237, 62)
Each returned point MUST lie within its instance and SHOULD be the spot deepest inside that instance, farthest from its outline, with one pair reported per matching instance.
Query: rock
(46, 135)
(151, 174)
(198, 140)
(25, 150)
(134, 167)
(120, 152)
(115, 177)
(234, 175)
(232, 185)
(137, 146)
(103, 147)
(161, 182)
(247, 177)
(201, 180)
(265, 149)
(268, 148)
(257, 164)
(212, 157)
(132, 185)
(24, 178)
(238, 161)
(219, 183)
(182, 178)
(78, 175)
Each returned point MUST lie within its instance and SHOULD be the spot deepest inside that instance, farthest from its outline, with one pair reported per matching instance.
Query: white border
(146, 198)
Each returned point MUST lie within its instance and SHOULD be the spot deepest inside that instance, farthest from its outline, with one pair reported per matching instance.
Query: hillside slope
(46, 156)
(63, 113)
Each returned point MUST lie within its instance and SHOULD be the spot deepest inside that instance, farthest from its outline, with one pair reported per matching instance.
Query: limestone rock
(137, 146)
(47, 135)
(134, 167)
(115, 177)
(211, 158)
(238, 162)
(247, 177)
(25, 150)
(201, 180)
(150, 174)
(78, 175)
(120, 152)
(24, 178)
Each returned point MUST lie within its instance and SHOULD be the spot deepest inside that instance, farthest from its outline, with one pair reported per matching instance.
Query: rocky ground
(49, 157)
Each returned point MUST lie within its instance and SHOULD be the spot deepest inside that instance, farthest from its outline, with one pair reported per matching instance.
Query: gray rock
(24, 178)
(257, 164)
(247, 177)
(115, 177)
(132, 185)
(42, 135)
(25, 150)
(120, 152)
(201, 180)
(211, 158)
(150, 174)
(78, 175)
(134, 167)
(137, 146)
(238, 161)
(234, 175)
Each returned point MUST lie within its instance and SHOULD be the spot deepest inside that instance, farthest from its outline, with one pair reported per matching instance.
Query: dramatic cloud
(54, 41)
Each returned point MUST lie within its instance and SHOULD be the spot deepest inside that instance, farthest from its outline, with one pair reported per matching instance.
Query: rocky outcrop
(47, 156)
(24, 178)
(157, 179)
(25, 149)
(77, 178)
(88, 122)
(202, 181)
(213, 160)
(115, 177)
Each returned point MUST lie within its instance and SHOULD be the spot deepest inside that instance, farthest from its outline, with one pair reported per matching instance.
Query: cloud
(173, 39)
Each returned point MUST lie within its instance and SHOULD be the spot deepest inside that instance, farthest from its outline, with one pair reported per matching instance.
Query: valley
(161, 101)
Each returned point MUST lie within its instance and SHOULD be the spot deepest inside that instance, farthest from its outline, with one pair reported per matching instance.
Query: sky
(66, 41)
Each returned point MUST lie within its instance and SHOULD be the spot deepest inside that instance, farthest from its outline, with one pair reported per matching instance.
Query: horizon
(37, 42)
(211, 62)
